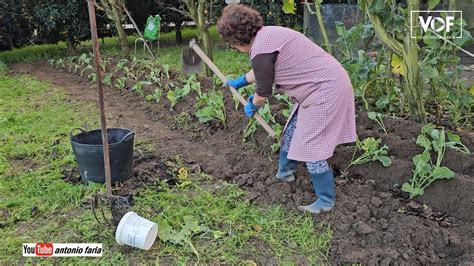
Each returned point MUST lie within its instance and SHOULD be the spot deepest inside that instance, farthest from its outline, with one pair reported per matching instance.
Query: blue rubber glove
(250, 108)
(238, 83)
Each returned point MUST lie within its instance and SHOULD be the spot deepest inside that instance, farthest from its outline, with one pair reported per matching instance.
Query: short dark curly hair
(239, 24)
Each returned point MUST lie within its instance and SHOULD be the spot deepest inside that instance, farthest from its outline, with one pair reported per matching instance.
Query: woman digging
(323, 115)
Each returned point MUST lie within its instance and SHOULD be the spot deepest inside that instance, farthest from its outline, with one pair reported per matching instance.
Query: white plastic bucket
(136, 231)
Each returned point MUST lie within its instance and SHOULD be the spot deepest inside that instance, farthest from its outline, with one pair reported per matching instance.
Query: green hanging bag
(152, 28)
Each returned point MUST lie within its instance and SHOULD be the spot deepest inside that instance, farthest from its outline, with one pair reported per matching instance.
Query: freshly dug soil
(373, 222)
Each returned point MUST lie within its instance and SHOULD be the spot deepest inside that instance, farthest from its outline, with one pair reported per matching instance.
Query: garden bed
(373, 221)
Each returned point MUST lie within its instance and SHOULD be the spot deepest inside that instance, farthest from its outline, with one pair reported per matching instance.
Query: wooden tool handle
(216, 71)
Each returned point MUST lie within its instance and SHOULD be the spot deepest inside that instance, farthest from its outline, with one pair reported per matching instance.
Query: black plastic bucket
(87, 147)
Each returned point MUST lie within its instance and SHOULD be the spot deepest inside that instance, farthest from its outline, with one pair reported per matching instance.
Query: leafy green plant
(182, 119)
(70, 67)
(425, 170)
(120, 65)
(182, 237)
(454, 142)
(177, 94)
(211, 106)
(128, 72)
(371, 152)
(156, 95)
(85, 59)
(165, 70)
(347, 40)
(252, 125)
(216, 82)
(108, 79)
(120, 83)
(285, 99)
(278, 128)
(60, 63)
(76, 68)
(92, 77)
(138, 86)
(103, 64)
(377, 117)
(154, 75)
(245, 92)
(89, 67)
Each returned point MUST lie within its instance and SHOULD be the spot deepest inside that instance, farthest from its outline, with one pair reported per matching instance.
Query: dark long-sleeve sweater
(263, 66)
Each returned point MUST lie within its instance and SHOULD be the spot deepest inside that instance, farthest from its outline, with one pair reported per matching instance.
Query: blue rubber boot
(324, 187)
(286, 168)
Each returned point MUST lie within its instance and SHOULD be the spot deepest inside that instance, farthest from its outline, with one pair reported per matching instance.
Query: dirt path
(372, 222)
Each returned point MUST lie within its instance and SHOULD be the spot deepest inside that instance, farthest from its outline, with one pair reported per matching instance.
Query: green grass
(37, 206)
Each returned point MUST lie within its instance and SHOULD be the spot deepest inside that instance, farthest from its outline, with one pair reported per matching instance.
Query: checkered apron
(318, 85)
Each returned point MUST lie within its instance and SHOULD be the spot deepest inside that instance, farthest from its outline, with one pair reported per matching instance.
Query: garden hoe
(191, 64)
(118, 205)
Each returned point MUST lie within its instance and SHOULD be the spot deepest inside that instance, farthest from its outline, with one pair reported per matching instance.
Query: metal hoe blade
(191, 62)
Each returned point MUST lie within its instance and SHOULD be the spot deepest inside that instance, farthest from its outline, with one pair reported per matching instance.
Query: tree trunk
(11, 42)
(204, 32)
(408, 50)
(452, 4)
(412, 80)
(116, 13)
(71, 47)
(197, 10)
(317, 5)
(179, 37)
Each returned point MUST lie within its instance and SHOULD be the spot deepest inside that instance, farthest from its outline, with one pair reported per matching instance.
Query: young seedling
(377, 117)
(138, 87)
(92, 77)
(216, 82)
(278, 130)
(108, 79)
(454, 142)
(120, 83)
(245, 92)
(285, 99)
(84, 59)
(371, 152)
(154, 76)
(103, 64)
(76, 68)
(166, 71)
(177, 94)
(251, 127)
(120, 65)
(60, 63)
(156, 95)
(211, 106)
(425, 171)
(89, 67)
(182, 119)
